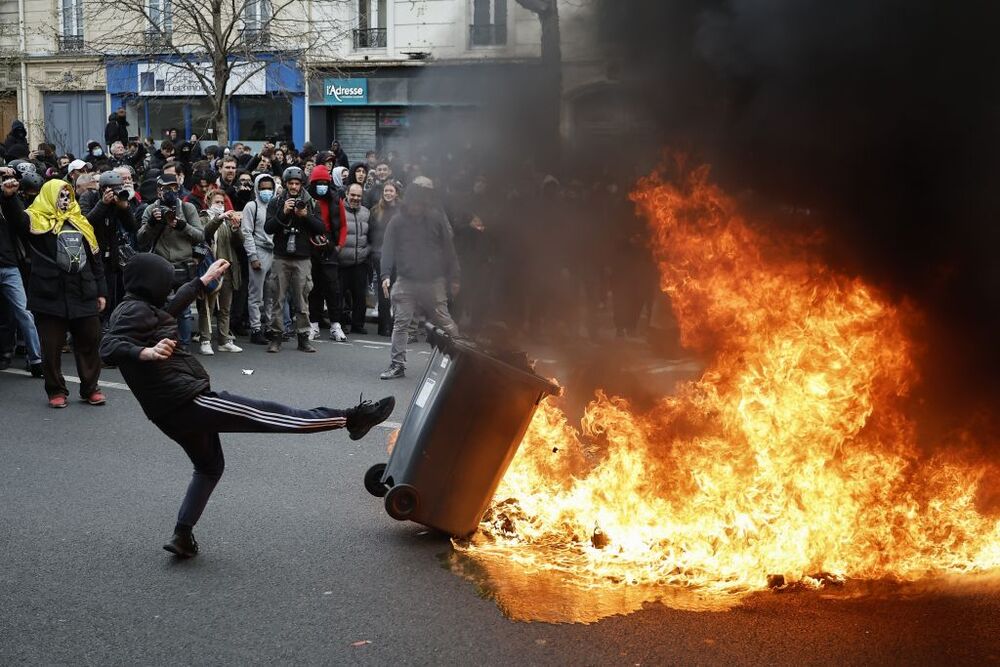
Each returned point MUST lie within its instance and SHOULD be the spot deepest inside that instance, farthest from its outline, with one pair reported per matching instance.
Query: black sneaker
(394, 372)
(365, 415)
(361, 331)
(257, 337)
(35, 370)
(182, 545)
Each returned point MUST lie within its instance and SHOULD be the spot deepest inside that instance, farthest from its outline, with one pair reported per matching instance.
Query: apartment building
(390, 71)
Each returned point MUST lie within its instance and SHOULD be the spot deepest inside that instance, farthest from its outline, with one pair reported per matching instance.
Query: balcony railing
(256, 37)
(369, 38)
(488, 35)
(156, 39)
(71, 42)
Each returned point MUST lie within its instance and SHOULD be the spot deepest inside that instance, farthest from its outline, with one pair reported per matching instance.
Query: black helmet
(293, 174)
(32, 181)
(111, 179)
(23, 166)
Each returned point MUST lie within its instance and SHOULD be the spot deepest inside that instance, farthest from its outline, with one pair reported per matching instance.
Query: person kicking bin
(174, 389)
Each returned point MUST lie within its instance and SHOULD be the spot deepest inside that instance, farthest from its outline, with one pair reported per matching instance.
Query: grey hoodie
(254, 215)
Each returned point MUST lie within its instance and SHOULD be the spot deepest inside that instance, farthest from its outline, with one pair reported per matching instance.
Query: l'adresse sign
(345, 92)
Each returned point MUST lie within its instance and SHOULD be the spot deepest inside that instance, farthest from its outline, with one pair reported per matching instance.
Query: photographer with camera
(292, 218)
(171, 228)
(113, 222)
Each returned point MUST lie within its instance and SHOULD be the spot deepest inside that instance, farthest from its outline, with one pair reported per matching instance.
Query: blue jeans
(12, 289)
(184, 326)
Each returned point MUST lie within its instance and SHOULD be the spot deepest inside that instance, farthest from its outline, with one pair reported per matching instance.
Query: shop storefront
(269, 102)
(405, 109)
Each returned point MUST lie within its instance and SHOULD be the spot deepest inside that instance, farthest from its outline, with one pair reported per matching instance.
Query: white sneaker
(337, 333)
(314, 331)
(230, 347)
(206, 347)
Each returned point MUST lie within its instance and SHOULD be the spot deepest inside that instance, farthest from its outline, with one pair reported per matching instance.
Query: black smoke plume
(883, 118)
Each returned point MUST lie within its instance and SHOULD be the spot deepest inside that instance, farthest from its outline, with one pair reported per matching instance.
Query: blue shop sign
(345, 92)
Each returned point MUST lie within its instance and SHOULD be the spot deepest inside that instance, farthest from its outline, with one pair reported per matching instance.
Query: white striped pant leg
(230, 413)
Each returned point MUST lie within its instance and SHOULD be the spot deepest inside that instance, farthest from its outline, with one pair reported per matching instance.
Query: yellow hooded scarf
(46, 217)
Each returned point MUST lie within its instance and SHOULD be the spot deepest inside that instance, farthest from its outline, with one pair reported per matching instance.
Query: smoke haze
(882, 119)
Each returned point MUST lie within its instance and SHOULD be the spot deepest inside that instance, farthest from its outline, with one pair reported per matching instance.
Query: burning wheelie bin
(461, 431)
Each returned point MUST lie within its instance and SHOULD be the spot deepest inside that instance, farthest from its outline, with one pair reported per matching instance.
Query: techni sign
(345, 91)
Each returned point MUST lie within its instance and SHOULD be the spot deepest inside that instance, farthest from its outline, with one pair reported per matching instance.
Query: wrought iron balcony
(488, 34)
(71, 42)
(370, 38)
(157, 40)
(256, 37)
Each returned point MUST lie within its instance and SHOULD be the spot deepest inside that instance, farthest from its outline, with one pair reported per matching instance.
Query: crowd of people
(316, 245)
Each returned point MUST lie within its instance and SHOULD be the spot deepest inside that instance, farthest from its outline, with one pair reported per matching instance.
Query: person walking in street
(175, 392)
(292, 218)
(66, 290)
(419, 267)
(259, 246)
(353, 259)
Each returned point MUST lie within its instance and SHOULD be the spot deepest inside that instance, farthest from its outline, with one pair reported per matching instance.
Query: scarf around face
(46, 217)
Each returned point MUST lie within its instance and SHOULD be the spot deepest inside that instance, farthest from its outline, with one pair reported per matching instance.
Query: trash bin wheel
(401, 502)
(373, 480)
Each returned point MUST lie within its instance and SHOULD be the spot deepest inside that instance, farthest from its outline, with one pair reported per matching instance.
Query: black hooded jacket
(116, 130)
(142, 320)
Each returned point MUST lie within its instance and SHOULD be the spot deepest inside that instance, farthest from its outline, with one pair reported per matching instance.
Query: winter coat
(332, 213)
(418, 246)
(110, 224)
(143, 319)
(175, 245)
(18, 135)
(355, 249)
(116, 130)
(377, 224)
(284, 225)
(226, 246)
(52, 291)
(255, 239)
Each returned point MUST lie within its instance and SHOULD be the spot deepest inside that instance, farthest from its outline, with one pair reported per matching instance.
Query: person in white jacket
(259, 247)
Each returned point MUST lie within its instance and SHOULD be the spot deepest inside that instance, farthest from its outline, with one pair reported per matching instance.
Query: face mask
(216, 210)
(266, 195)
(169, 198)
(322, 189)
(98, 152)
(63, 201)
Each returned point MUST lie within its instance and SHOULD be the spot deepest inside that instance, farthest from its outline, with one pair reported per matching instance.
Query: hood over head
(149, 277)
(320, 173)
(352, 175)
(256, 184)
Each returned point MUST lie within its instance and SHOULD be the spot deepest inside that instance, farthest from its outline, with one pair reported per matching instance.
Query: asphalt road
(301, 566)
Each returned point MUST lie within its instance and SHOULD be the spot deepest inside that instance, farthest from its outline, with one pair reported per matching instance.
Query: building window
(256, 19)
(371, 32)
(489, 23)
(161, 21)
(71, 38)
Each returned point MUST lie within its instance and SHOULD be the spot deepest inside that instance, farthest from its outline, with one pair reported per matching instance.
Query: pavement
(301, 566)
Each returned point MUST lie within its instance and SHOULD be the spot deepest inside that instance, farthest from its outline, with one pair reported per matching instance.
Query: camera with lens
(299, 204)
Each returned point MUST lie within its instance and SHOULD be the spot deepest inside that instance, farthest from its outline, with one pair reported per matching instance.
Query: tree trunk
(222, 124)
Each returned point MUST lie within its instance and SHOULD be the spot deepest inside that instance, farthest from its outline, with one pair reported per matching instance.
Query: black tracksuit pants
(196, 426)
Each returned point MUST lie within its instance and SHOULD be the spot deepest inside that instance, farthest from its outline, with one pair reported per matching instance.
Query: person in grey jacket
(353, 258)
(259, 246)
(418, 253)
(171, 228)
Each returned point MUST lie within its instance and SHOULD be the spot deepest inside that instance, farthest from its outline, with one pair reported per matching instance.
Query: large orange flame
(791, 455)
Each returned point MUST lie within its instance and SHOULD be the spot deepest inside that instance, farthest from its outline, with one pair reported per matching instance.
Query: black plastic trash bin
(461, 431)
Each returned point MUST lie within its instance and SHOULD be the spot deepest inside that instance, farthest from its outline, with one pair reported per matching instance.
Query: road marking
(75, 380)
(390, 425)
(372, 347)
